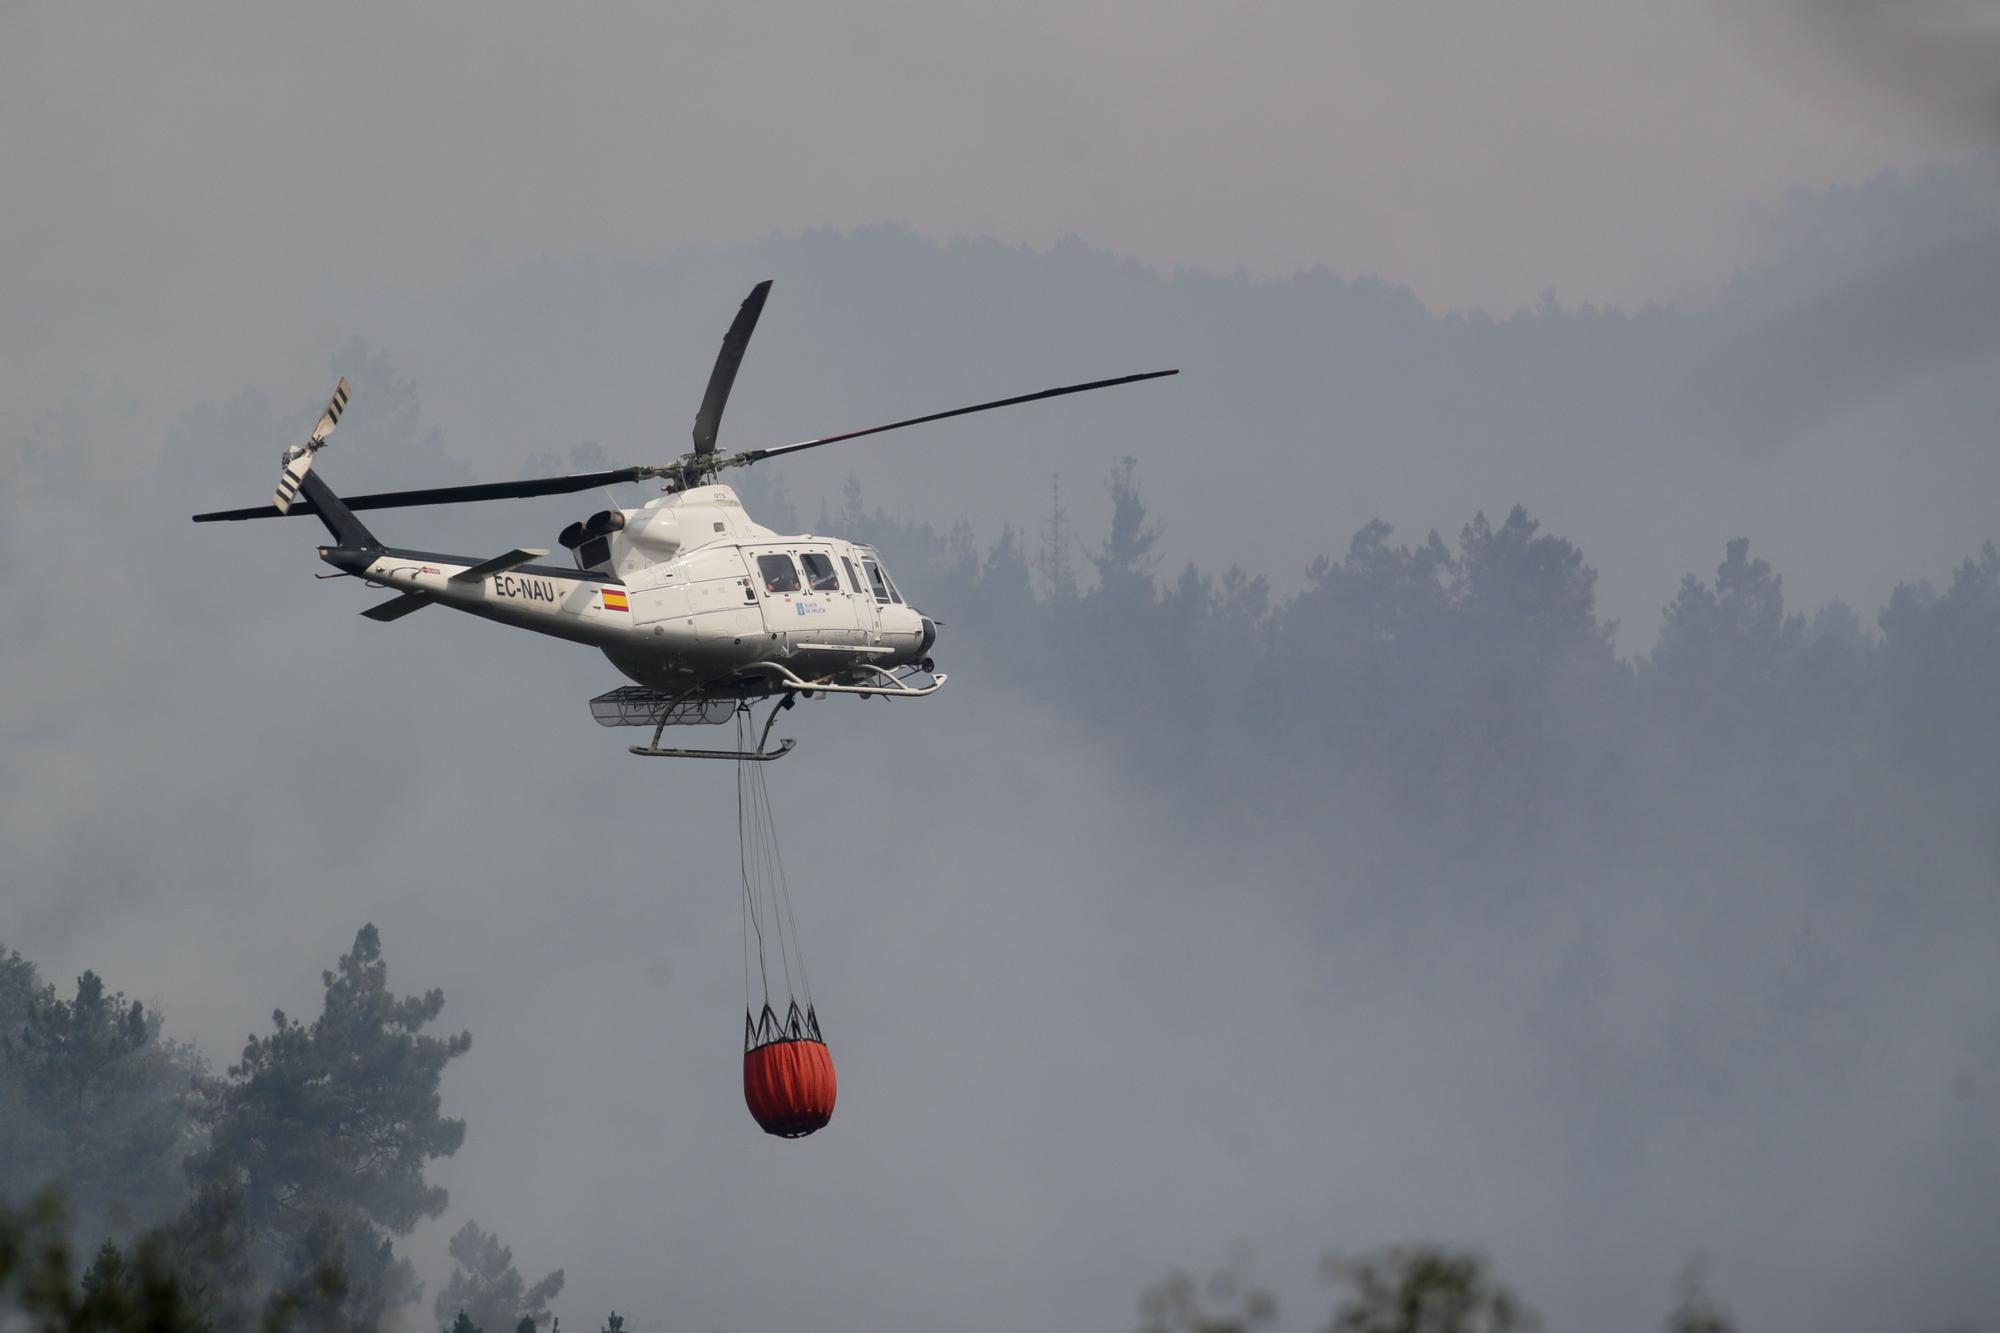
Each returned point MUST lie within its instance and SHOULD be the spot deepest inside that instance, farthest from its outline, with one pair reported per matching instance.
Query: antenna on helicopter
(694, 468)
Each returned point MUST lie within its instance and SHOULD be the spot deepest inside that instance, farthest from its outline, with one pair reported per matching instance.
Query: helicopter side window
(875, 578)
(595, 552)
(819, 572)
(780, 574)
(853, 579)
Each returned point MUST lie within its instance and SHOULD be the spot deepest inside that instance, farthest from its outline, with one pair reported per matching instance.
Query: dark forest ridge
(1319, 403)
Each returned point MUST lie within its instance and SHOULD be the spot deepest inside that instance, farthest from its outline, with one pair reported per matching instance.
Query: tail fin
(299, 479)
(347, 530)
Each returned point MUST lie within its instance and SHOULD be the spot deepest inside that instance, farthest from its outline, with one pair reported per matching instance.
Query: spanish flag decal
(614, 600)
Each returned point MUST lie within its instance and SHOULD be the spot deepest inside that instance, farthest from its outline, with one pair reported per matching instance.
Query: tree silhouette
(98, 1103)
(1729, 644)
(485, 1284)
(1056, 563)
(1424, 1289)
(321, 1133)
(1694, 1309)
(1226, 1302)
(1940, 656)
(1125, 563)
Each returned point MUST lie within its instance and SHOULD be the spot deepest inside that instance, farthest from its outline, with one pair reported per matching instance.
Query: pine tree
(485, 1284)
(320, 1135)
(1125, 565)
(97, 1103)
(1054, 564)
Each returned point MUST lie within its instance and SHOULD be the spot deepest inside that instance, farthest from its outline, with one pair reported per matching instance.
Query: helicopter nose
(930, 637)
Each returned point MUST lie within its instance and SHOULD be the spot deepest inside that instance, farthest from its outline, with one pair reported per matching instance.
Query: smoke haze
(1148, 938)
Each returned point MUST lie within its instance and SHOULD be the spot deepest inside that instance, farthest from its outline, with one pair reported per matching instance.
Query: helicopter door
(823, 610)
(780, 588)
(867, 621)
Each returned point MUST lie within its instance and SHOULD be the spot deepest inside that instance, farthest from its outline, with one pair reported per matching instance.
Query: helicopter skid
(761, 755)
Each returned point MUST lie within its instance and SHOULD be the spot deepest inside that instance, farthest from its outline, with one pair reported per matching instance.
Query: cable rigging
(788, 1076)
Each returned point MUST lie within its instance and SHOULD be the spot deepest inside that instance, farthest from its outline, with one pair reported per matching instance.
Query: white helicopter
(709, 612)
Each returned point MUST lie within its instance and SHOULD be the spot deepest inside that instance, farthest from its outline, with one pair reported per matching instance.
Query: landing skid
(785, 747)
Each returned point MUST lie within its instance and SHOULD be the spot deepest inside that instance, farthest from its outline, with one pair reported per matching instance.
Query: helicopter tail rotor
(298, 459)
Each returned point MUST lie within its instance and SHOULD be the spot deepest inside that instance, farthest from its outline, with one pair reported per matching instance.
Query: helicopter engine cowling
(655, 532)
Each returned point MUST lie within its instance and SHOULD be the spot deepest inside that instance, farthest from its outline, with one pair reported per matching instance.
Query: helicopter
(709, 613)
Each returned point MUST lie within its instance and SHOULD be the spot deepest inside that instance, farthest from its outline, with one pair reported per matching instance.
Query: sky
(254, 166)
(543, 218)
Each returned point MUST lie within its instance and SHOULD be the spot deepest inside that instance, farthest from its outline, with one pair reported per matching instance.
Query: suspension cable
(768, 912)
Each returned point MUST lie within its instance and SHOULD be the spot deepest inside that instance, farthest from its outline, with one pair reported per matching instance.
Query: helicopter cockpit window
(595, 552)
(875, 578)
(895, 593)
(853, 579)
(819, 572)
(780, 574)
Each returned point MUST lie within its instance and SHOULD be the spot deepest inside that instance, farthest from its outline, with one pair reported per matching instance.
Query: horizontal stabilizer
(398, 607)
(500, 564)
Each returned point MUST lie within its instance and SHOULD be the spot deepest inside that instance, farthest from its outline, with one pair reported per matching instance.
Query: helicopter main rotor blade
(444, 495)
(755, 455)
(746, 319)
(709, 419)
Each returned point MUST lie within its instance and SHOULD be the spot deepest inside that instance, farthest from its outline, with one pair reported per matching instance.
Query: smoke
(1933, 64)
(1931, 70)
(1838, 348)
(1116, 973)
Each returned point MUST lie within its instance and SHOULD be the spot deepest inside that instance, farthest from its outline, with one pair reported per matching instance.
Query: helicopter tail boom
(347, 530)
